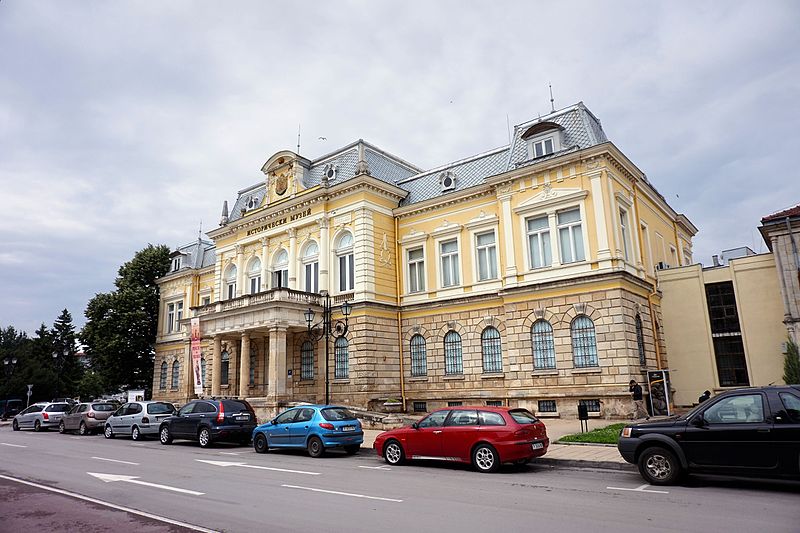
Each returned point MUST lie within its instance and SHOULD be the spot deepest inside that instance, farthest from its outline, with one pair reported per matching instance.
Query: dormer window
(176, 263)
(541, 148)
(329, 172)
(447, 181)
(543, 139)
(251, 203)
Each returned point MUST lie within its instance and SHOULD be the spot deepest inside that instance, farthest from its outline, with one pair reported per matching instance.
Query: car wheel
(315, 447)
(352, 449)
(659, 466)
(15, 425)
(37, 426)
(108, 432)
(165, 436)
(485, 458)
(204, 437)
(135, 433)
(260, 444)
(61, 427)
(393, 453)
(82, 430)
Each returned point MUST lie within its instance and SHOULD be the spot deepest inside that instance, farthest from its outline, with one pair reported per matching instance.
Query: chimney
(715, 260)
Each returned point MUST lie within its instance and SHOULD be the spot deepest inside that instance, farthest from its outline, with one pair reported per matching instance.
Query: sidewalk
(563, 455)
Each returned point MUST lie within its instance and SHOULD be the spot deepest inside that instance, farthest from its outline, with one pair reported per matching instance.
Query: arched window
(254, 275)
(544, 350)
(203, 371)
(176, 374)
(230, 282)
(280, 269)
(640, 341)
(341, 359)
(226, 362)
(346, 266)
(492, 350)
(162, 380)
(419, 356)
(253, 364)
(307, 360)
(311, 267)
(584, 343)
(453, 360)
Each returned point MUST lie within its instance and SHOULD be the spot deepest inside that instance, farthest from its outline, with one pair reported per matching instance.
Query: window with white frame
(487, 255)
(625, 234)
(230, 282)
(205, 300)
(570, 236)
(346, 265)
(176, 263)
(448, 254)
(541, 147)
(280, 269)
(416, 270)
(311, 267)
(539, 248)
(174, 316)
(254, 275)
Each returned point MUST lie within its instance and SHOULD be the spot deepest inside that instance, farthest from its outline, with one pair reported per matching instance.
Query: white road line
(376, 467)
(138, 444)
(115, 461)
(245, 465)
(640, 488)
(112, 505)
(229, 453)
(13, 445)
(110, 478)
(77, 438)
(342, 493)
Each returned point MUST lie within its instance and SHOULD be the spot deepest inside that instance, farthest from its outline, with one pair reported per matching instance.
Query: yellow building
(522, 276)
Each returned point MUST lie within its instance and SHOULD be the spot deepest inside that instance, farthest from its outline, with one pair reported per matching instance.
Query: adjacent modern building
(523, 276)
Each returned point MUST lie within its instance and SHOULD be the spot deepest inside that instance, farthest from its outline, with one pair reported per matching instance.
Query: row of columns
(276, 369)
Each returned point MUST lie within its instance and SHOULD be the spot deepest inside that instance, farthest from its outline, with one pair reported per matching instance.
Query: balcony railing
(272, 295)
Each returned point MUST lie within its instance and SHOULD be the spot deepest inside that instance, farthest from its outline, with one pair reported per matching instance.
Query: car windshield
(58, 408)
(523, 416)
(160, 408)
(103, 407)
(333, 414)
(233, 406)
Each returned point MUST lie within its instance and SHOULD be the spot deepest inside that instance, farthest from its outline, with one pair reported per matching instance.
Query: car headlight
(626, 432)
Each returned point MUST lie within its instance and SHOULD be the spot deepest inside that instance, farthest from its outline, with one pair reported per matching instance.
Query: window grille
(453, 362)
(419, 360)
(454, 404)
(162, 382)
(494, 403)
(492, 350)
(592, 406)
(341, 359)
(420, 407)
(547, 406)
(307, 361)
(584, 343)
(176, 373)
(544, 350)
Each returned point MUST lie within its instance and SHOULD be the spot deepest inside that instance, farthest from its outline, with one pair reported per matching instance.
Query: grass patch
(606, 435)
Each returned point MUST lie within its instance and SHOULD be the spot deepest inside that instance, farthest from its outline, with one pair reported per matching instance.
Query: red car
(483, 436)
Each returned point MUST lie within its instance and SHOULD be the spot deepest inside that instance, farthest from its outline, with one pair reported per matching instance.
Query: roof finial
(552, 105)
(298, 139)
(361, 166)
(224, 219)
(200, 232)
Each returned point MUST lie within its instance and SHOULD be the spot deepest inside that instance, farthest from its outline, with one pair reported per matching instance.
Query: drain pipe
(399, 313)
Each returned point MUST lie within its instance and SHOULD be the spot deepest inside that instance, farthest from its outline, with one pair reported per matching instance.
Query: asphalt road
(231, 488)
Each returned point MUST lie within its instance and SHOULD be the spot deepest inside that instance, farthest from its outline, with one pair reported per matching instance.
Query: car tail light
(326, 425)
(45, 416)
(90, 414)
(145, 420)
(221, 414)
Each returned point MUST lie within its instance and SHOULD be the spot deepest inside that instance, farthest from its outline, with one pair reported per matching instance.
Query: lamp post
(325, 328)
(8, 370)
(59, 361)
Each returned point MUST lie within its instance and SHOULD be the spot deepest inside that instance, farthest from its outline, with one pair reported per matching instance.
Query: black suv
(207, 421)
(743, 432)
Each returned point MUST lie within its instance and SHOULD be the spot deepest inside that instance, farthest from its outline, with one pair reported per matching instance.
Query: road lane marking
(245, 465)
(115, 461)
(312, 489)
(375, 467)
(110, 478)
(138, 444)
(77, 438)
(111, 505)
(13, 445)
(640, 488)
(230, 453)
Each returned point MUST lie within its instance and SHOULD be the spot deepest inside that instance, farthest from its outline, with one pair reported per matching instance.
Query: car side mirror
(274, 422)
(415, 425)
(698, 421)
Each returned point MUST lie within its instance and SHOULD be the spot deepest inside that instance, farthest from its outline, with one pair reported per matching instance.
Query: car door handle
(437, 432)
(763, 430)
(305, 427)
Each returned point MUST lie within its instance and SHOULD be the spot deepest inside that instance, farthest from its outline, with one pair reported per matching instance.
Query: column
(277, 364)
(265, 281)
(244, 367)
(324, 254)
(188, 377)
(507, 222)
(239, 270)
(600, 225)
(216, 367)
(292, 258)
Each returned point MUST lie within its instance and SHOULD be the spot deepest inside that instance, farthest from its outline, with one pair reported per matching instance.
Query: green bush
(605, 435)
(791, 364)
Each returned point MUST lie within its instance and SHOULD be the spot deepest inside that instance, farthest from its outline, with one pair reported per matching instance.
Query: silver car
(137, 419)
(86, 417)
(40, 416)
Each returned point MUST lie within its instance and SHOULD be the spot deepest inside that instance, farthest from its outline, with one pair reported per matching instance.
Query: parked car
(483, 436)
(40, 416)
(137, 419)
(743, 432)
(208, 421)
(315, 428)
(85, 417)
(71, 401)
(9, 408)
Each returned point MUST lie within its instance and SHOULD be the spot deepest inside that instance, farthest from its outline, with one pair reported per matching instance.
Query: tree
(120, 331)
(67, 365)
(791, 364)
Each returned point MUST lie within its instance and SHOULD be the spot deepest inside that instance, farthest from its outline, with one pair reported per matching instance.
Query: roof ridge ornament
(223, 221)
(361, 167)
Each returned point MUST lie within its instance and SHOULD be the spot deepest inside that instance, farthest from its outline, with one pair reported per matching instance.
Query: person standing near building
(638, 403)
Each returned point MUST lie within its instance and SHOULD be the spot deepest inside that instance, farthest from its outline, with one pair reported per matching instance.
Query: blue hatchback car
(313, 427)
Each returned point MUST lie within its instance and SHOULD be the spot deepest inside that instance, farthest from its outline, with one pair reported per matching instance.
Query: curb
(578, 463)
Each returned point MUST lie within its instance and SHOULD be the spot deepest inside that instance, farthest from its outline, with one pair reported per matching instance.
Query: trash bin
(583, 412)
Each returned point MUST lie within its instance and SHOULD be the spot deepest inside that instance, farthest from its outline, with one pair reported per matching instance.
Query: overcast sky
(127, 123)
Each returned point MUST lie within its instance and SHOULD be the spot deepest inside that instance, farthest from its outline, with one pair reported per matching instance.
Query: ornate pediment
(551, 196)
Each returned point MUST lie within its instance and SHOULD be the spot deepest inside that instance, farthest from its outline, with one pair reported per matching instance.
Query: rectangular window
(176, 264)
(205, 300)
(539, 250)
(312, 276)
(178, 315)
(420, 407)
(170, 318)
(231, 291)
(623, 227)
(494, 403)
(547, 406)
(448, 252)
(541, 148)
(416, 270)
(570, 236)
(648, 260)
(726, 335)
(346, 273)
(592, 406)
(454, 404)
(280, 278)
(487, 256)
(255, 285)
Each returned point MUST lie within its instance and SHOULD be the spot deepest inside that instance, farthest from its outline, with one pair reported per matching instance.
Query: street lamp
(8, 370)
(324, 328)
(59, 363)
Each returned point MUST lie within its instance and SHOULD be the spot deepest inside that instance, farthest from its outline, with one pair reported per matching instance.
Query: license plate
(242, 417)
(348, 428)
(537, 445)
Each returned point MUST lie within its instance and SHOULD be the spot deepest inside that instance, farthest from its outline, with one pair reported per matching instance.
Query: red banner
(197, 371)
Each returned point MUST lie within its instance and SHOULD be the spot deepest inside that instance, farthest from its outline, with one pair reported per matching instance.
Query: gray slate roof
(198, 254)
